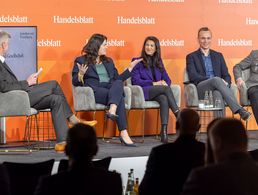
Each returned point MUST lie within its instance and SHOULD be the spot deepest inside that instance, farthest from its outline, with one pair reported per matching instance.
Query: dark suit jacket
(168, 166)
(143, 77)
(237, 176)
(91, 181)
(91, 77)
(196, 68)
(9, 82)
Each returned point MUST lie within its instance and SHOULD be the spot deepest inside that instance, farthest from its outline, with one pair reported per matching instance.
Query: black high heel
(126, 144)
(113, 117)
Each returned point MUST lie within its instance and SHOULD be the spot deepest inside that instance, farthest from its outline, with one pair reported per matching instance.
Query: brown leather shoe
(60, 147)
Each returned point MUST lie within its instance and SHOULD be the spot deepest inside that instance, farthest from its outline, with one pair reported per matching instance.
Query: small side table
(207, 115)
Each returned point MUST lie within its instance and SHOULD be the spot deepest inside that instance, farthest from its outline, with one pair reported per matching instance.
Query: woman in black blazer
(96, 70)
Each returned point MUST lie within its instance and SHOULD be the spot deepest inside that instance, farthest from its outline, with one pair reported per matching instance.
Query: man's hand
(32, 79)
(240, 82)
(82, 68)
(133, 63)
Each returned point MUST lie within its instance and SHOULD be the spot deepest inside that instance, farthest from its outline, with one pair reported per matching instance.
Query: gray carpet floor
(112, 148)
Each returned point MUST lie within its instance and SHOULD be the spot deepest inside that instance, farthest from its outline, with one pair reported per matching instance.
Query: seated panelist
(152, 76)
(207, 69)
(42, 96)
(94, 69)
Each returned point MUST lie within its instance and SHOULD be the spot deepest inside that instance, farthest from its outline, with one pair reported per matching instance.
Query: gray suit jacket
(250, 62)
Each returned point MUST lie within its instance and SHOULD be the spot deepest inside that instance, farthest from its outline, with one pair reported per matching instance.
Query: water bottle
(211, 99)
(206, 100)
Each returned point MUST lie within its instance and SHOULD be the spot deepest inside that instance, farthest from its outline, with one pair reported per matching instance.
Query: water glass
(201, 104)
(217, 103)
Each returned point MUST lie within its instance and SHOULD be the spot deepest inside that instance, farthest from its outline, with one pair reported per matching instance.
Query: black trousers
(253, 97)
(165, 97)
(113, 94)
(50, 95)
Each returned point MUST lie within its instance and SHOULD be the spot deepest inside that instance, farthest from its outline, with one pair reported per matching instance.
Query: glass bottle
(210, 99)
(136, 186)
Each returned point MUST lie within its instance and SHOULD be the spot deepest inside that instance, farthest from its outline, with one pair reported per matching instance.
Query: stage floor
(113, 149)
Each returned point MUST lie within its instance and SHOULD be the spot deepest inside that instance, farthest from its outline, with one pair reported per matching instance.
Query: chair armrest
(138, 100)
(83, 99)
(244, 101)
(128, 97)
(191, 95)
(176, 89)
(14, 103)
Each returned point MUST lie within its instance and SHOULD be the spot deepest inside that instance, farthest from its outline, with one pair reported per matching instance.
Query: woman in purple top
(151, 75)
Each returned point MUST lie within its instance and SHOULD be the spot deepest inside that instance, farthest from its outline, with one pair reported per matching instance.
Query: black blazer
(88, 180)
(168, 166)
(196, 69)
(238, 176)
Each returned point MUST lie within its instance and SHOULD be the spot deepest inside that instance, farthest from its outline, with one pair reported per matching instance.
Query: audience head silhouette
(81, 143)
(188, 122)
(227, 136)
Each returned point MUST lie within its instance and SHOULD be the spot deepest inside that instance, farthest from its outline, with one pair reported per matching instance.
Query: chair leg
(104, 128)
(157, 126)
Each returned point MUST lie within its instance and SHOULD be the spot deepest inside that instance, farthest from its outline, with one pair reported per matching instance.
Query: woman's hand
(133, 63)
(82, 68)
(161, 82)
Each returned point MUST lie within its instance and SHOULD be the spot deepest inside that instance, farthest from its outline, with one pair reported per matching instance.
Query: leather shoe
(90, 123)
(60, 147)
(113, 117)
(126, 144)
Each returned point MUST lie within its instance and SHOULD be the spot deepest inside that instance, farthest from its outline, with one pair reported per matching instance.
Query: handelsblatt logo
(166, 1)
(49, 43)
(251, 21)
(113, 42)
(235, 42)
(235, 1)
(135, 20)
(73, 20)
(13, 19)
(172, 42)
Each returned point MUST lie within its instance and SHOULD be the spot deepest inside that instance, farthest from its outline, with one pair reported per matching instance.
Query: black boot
(164, 134)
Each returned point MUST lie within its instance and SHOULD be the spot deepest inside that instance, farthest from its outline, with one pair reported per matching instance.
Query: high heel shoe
(113, 117)
(126, 144)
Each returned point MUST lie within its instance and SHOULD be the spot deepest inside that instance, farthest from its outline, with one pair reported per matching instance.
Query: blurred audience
(174, 160)
(233, 170)
(4, 181)
(82, 177)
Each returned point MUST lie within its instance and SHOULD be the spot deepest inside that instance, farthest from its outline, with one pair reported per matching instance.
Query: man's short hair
(4, 36)
(188, 121)
(203, 29)
(81, 142)
(230, 131)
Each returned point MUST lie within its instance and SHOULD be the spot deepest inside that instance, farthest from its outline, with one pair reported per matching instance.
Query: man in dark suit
(82, 177)
(250, 62)
(168, 165)
(233, 172)
(42, 96)
(207, 69)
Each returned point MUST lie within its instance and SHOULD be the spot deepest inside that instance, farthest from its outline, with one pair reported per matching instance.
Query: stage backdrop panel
(65, 26)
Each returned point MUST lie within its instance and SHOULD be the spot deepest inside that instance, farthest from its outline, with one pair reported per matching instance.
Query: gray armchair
(84, 101)
(16, 103)
(191, 94)
(138, 100)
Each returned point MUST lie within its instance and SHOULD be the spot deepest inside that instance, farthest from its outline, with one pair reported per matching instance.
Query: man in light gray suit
(42, 96)
(250, 62)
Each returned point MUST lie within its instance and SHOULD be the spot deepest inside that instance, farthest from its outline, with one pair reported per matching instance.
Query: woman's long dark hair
(91, 49)
(156, 58)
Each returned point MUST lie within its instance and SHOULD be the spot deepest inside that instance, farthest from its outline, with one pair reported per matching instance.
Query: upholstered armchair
(16, 103)
(84, 101)
(138, 100)
(191, 94)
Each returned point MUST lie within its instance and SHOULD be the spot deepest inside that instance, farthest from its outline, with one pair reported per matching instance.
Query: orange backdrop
(64, 27)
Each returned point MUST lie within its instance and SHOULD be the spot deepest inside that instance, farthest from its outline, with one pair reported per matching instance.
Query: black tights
(165, 97)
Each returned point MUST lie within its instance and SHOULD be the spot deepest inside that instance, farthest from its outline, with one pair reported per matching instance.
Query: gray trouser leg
(218, 84)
